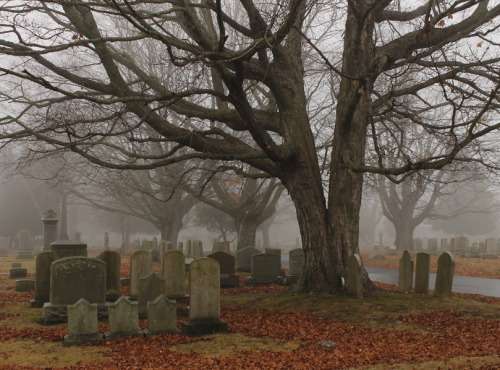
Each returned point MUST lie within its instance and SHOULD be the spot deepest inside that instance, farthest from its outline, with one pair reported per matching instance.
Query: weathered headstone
(82, 323)
(123, 319)
(162, 316)
(491, 246)
(204, 299)
(24, 285)
(296, 260)
(432, 245)
(228, 277)
(18, 272)
(25, 249)
(221, 246)
(264, 269)
(354, 281)
(444, 276)
(141, 264)
(418, 244)
(72, 278)
(50, 221)
(405, 279)
(42, 278)
(422, 269)
(461, 242)
(150, 287)
(444, 244)
(113, 263)
(106, 241)
(174, 273)
(197, 249)
(68, 248)
(244, 258)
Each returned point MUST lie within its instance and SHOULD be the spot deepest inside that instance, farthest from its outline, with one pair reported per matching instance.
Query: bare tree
(70, 53)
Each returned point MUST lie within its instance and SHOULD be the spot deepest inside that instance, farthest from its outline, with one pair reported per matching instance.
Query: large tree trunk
(247, 230)
(404, 234)
(170, 232)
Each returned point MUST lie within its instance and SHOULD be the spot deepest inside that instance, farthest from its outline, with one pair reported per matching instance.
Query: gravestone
(68, 248)
(452, 245)
(174, 272)
(244, 258)
(24, 285)
(25, 250)
(204, 299)
(155, 242)
(422, 268)
(42, 278)
(461, 243)
(18, 272)
(432, 245)
(405, 278)
(221, 246)
(50, 221)
(164, 247)
(264, 269)
(354, 281)
(72, 278)
(189, 248)
(418, 244)
(141, 264)
(444, 276)
(444, 244)
(155, 255)
(113, 263)
(197, 249)
(162, 316)
(106, 241)
(82, 323)
(491, 246)
(150, 287)
(275, 251)
(180, 247)
(228, 277)
(296, 260)
(146, 245)
(123, 319)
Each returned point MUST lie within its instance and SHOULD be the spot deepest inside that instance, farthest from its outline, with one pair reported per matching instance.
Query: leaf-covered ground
(272, 328)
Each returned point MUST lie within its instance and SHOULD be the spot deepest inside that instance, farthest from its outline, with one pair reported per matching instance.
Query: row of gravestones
(204, 310)
(444, 275)
(459, 245)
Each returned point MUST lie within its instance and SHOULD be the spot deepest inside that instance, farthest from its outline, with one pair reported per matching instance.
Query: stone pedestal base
(148, 333)
(112, 336)
(202, 327)
(54, 313)
(74, 340)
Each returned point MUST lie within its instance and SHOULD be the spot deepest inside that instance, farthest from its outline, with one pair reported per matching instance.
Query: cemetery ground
(271, 327)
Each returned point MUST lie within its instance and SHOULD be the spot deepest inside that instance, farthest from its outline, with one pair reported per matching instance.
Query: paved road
(461, 284)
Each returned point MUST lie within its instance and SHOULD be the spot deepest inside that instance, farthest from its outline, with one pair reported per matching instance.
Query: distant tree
(215, 221)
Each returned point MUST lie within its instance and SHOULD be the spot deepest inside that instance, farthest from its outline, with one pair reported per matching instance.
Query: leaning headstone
(204, 299)
(354, 281)
(405, 279)
(18, 272)
(50, 221)
(42, 278)
(123, 319)
(422, 269)
(68, 248)
(113, 263)
(174, 263)
(141, 264)
(82, 324)
(150, 287)
(444, 276)
(72, 278)
(25, 250)
(162, 316)
(264, 269)
(244, 258)
(296, 260)
(228, 277)
(24, 285)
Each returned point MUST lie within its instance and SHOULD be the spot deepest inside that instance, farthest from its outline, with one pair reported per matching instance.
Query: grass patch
(223, 345)
(47, 354)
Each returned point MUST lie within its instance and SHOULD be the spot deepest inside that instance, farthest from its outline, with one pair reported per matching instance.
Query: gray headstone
(244, 258)
(150, 287)
(24, 285)
(174, 267)
(123, 319)
(296, 261)
(162, 316)
(197, 249)
(228, 277)
(422, 269)
(25, 248)
(204, 299)
(264, 269)
(18, 272)
(68, 248)
(444, 244)
(141, 264)
(180, 246)
(42, 278)
(106, 241)
(432, 245)
(50, 221)
(354, 281)
(113, 263)
(82, 323)
(461, 243)
(444, 276)
(221, 246)
(405, 279)
(491, 246)
(418, 244)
